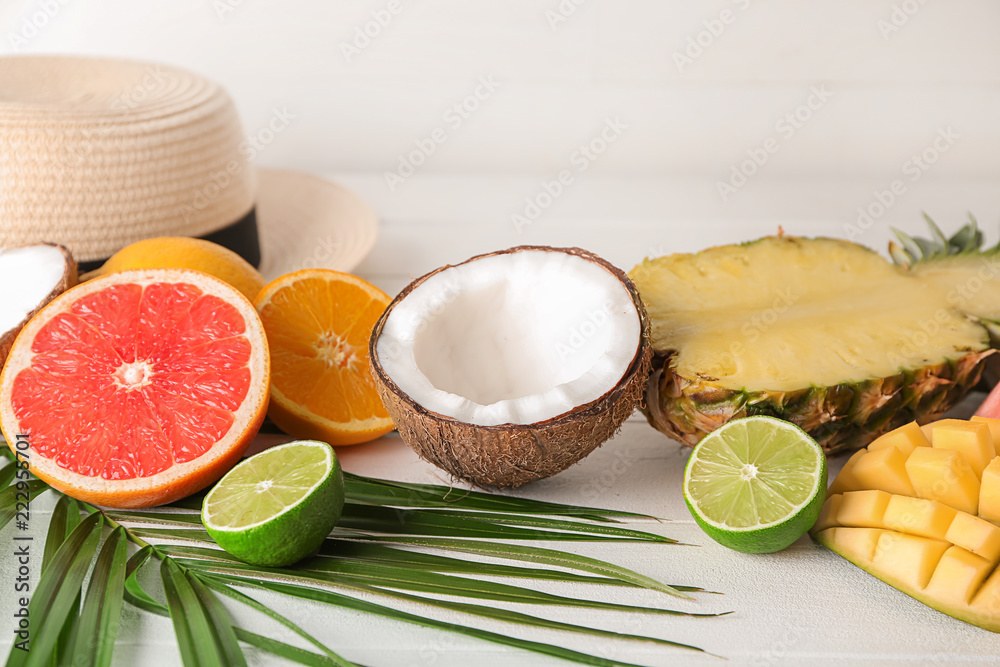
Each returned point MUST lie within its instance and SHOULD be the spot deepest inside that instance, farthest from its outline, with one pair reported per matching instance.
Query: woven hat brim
(305, 221)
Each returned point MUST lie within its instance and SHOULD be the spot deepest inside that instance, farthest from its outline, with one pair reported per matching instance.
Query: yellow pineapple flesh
(821, 332)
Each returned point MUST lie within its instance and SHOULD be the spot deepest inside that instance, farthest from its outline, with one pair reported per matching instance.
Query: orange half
(136, 388)
(318, 323)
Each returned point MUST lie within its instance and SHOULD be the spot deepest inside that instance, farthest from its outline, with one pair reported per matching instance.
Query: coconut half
(30, 277)
(514, 365)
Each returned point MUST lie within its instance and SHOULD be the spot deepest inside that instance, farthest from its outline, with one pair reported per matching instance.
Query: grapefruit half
(137, 388)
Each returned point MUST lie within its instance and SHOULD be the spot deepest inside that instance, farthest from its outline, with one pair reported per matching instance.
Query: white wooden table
(802, 605)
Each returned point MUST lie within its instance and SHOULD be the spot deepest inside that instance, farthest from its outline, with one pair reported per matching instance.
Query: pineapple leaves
(939, 242)
(912, 250)
(408, 543)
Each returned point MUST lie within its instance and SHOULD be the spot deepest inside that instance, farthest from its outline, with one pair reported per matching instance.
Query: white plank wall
(557, 82)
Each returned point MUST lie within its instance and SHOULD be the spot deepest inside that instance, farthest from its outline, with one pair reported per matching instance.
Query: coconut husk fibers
(509, 455)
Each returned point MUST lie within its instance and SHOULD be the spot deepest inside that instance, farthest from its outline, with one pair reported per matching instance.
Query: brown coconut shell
(69, 278)
(508, 455)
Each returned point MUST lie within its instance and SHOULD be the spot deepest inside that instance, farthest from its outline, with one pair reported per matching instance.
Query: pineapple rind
(686, 402)
(788, 313)
(840, 417)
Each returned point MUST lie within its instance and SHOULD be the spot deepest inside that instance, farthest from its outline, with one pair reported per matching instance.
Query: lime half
(277, 507)
(756, 484)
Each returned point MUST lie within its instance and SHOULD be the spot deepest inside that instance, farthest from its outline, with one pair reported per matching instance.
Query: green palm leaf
(421, 562)
(136, 595)
(384, 492)
(485, 612)
(466, 524)
(201, 641)
(182, 534)
(7, 475)
(289, 652)
(416, 560)
(12, 495)
(94, 635)
(451, 523)
(222, 625)
(387, 577)
(535, 555)
(330, 597)
(538, 521)
(58, 590)
(220, 587)
(65, 519)
(379, 548)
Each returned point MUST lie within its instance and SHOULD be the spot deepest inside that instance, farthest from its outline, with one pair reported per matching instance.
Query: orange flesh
(131, 380)
(318, 332)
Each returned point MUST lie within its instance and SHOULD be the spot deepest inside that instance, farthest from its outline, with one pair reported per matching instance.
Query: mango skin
(955, 570)
(985, 615)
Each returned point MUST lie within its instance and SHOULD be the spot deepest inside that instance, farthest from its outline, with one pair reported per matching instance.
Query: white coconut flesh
(513, 338)
(28, 275)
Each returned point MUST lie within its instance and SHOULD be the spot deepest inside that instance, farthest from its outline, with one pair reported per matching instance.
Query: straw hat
(98, 153)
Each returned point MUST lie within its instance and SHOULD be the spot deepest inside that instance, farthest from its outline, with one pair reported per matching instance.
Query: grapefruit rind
(181, 479)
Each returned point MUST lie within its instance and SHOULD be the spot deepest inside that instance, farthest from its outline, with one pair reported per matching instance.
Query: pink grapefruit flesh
(137, 388)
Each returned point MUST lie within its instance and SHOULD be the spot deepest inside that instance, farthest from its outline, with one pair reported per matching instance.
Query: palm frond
(94, 635)
(58, 590)
(401, 542)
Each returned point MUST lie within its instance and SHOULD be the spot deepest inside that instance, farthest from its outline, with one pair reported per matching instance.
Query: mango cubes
(942, 475)
(919, 509)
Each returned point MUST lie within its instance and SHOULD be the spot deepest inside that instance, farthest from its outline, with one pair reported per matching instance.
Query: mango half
(919, 509)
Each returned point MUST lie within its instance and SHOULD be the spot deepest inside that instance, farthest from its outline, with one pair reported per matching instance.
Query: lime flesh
(277, 507)
(756, 484)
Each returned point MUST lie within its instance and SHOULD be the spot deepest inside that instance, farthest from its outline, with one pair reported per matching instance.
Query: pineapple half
(969, 275)
(821, 332)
